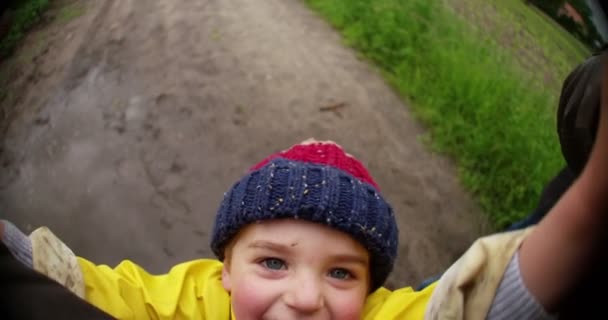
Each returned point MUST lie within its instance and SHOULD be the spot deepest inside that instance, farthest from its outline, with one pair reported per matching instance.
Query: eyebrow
(269, 245)
(281, 248)
(348, 258)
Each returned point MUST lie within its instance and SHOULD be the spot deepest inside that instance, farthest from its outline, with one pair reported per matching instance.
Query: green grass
(537, 42)
(480, 106)
(26, 15)
(70, 12)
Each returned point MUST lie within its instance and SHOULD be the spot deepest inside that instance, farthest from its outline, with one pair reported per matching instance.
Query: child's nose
(305, 295)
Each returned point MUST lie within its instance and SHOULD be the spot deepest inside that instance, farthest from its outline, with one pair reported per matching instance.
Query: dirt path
(152, 108)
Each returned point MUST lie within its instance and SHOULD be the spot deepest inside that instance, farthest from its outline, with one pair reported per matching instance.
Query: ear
(226, 277)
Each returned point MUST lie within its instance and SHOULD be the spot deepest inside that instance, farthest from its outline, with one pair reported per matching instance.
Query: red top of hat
(323, 152)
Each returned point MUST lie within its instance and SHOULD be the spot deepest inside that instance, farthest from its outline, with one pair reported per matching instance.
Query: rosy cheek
(250, 298)
(348, 306)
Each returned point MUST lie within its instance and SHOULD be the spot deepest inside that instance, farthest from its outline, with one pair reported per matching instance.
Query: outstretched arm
(560, 251)
(27, 294)
(18, 244)
(191, 290)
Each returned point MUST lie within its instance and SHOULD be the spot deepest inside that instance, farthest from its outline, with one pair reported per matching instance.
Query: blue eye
(274, 264)
(341, 274)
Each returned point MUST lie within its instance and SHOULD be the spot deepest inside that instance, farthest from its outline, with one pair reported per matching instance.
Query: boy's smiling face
(293, 269)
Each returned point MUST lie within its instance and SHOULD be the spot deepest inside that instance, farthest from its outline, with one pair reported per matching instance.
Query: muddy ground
(129, 122)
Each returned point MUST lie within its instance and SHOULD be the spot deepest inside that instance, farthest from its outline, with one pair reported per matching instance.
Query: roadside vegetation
(17, 18)
(486, 89)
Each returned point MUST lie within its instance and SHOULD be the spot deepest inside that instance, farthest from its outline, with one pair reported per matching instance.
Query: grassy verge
(70, 11)
(475, 100)
(536, 42)
(24, 16)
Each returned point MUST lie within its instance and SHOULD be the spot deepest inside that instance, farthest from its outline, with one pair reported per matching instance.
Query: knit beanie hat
(318, 182)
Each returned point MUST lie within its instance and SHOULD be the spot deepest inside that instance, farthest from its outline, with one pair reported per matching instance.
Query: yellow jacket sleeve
(191, 290)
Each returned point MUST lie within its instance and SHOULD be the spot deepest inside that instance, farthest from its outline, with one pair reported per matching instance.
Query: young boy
(307, 234)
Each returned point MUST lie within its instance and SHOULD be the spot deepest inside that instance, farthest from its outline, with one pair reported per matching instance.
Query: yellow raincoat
(193, 290)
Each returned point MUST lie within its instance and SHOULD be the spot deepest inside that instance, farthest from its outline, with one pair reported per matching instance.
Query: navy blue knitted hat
(317, 182)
